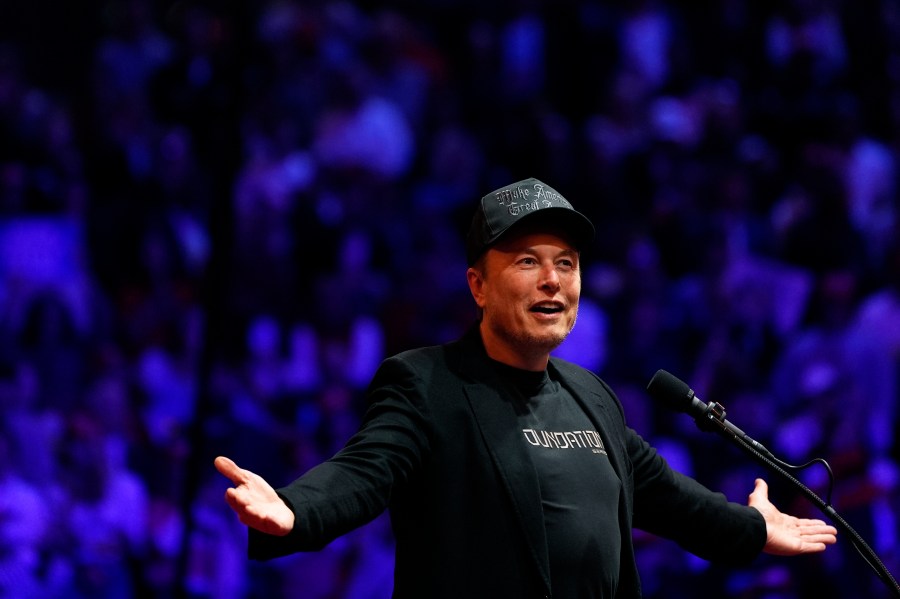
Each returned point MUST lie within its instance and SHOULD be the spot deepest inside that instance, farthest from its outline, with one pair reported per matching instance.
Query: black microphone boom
(677, 395)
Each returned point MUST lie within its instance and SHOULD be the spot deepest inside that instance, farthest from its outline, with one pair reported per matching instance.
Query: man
(509, 473)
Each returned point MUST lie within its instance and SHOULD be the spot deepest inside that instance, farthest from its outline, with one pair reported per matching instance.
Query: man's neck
(501, 351)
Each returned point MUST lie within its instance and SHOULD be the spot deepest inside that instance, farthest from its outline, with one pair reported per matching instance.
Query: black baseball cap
(529, 201)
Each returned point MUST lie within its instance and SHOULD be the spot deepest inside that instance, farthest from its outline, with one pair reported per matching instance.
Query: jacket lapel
(495, 415)
(598, 410)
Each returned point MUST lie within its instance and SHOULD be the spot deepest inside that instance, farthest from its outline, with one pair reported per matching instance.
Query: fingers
(822, 540)
(254, 501)
(241, 505)
(231, 497)
(759, 497)
(229, 469)
(819, 532)
(237, 476)
(760, 487)
(814, 535)
(816, 543)
(812, 526)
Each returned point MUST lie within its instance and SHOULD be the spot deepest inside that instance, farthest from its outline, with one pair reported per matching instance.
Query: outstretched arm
(254, 500)
(786, 534)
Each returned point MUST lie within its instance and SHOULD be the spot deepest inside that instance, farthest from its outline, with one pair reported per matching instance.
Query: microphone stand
(713, 419)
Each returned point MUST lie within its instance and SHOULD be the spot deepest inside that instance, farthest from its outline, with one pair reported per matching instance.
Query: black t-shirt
(579, 489)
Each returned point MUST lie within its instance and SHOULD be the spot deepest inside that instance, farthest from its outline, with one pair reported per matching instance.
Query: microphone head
(671, 391)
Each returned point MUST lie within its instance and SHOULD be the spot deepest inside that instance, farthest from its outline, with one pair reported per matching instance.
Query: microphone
(676, 395)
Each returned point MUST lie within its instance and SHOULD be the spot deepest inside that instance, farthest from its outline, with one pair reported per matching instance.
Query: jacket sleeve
(672, 505)
(356, 484)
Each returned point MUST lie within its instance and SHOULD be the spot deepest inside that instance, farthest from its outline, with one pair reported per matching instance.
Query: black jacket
(440, 447)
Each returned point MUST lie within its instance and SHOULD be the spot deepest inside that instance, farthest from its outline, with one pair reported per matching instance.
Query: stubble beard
(530, 344)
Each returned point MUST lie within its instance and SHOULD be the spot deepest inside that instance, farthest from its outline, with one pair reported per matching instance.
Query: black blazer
(439, 446)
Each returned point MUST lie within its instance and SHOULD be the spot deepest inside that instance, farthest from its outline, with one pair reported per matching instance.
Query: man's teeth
(547, 309)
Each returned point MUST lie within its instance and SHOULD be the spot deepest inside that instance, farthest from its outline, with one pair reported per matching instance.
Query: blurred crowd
(216, 218)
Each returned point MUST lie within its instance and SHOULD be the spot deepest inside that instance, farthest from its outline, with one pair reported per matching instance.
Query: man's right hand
(254, 500)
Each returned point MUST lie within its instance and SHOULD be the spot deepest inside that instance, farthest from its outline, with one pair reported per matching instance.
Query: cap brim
(576, 227)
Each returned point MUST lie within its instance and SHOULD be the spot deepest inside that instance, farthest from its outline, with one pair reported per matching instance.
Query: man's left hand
(786, 534)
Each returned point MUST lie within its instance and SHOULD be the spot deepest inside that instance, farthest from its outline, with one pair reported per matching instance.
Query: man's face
(528, 288)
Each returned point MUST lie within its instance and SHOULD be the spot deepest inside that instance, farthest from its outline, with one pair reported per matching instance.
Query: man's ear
(476, 285)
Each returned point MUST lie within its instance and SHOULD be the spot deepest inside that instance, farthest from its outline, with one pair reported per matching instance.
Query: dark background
(216, 218)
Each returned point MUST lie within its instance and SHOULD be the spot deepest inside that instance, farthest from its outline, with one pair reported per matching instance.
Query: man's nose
(549, 278)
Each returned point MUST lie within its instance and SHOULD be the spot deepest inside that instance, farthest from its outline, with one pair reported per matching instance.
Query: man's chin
(534, 341)
(545, 341)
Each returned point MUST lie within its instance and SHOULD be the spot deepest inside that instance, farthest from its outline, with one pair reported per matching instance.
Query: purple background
(216, 218)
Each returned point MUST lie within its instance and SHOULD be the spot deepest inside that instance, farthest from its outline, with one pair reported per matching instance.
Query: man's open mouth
(547, 308)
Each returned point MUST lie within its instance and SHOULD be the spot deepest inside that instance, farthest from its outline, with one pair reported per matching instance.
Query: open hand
(786, 534)
(254, 500)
